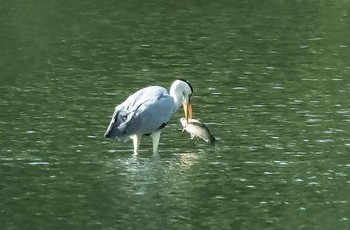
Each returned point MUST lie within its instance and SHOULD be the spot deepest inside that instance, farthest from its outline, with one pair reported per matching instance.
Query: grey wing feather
(143, 112)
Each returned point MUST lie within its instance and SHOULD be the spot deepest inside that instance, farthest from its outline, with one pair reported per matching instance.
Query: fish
(197, 129)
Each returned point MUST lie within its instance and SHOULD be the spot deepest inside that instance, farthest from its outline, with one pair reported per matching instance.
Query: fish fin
(192, 136)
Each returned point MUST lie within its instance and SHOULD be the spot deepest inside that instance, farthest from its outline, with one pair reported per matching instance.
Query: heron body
(147, 111)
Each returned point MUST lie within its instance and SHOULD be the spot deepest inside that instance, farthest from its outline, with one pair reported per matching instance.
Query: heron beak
(187, 106)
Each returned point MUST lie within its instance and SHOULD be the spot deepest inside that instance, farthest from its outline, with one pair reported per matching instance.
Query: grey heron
(147, 111)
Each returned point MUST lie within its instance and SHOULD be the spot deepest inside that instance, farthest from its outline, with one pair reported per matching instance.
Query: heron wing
(143, 112)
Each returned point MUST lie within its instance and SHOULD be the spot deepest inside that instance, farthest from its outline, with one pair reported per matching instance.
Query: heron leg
(136, 139)
(155, 139)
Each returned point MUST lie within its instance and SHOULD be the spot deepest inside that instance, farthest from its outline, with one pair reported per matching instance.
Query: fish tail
(212, 140)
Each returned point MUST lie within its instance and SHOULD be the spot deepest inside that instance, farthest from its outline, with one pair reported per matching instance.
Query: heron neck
(177, 99)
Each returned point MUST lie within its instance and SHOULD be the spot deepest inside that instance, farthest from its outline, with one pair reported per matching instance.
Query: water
(271, 82)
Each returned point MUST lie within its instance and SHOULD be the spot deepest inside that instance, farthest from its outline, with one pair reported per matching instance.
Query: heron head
(187, 92)
(182, 91)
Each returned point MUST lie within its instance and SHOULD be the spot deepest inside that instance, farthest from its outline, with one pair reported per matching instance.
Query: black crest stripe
(189, 84)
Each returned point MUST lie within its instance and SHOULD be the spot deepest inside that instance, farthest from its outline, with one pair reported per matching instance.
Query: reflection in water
(145, 173)
(187, 160)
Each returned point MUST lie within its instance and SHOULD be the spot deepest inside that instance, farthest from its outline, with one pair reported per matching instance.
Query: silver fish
(197, 129)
